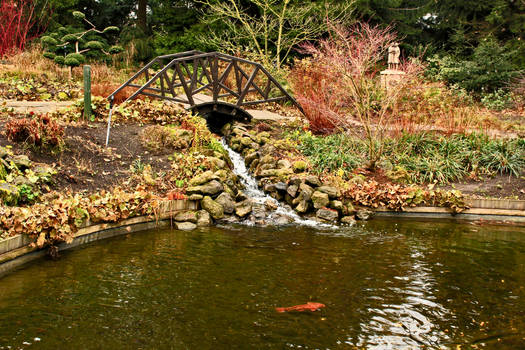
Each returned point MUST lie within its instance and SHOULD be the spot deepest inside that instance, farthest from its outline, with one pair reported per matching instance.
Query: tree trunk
(141, 15)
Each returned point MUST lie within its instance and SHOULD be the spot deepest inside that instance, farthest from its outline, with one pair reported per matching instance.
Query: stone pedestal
(390, 77)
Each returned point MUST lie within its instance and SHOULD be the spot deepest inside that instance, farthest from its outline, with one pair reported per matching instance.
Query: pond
(385, 284)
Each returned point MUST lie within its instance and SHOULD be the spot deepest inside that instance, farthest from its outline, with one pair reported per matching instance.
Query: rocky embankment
(289, 189)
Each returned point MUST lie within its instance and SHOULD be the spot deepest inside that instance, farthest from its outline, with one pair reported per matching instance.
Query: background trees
(463, 38)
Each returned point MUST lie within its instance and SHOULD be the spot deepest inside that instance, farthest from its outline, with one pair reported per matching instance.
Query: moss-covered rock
(215, 209)
(320, 199)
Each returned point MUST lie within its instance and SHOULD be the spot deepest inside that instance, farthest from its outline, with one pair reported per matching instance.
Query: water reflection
(385, 285)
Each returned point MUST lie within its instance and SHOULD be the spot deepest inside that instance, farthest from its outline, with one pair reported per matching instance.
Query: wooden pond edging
(501, 210)
(17, 250)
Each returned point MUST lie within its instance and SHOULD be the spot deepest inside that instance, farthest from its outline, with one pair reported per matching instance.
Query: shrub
(489, 68)
(339, 86)
(40, 132)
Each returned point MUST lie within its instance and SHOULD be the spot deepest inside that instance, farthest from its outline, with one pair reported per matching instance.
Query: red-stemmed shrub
(17, 25)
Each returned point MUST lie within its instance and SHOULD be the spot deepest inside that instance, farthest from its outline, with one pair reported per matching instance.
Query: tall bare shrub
(339, 86)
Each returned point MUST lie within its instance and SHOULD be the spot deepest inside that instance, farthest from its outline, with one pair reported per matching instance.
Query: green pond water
(386, 285)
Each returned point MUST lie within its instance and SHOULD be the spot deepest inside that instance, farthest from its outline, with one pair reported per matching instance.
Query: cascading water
(259, 197)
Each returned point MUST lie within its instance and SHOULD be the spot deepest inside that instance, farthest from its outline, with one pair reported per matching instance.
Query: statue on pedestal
(393, 56)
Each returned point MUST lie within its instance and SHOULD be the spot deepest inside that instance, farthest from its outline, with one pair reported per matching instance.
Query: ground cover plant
(419, 158)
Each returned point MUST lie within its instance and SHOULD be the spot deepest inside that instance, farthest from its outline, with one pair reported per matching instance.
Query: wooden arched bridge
(215, 85)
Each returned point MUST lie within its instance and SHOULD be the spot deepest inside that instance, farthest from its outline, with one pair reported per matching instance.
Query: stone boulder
(332, 192)
(225, 199)
(364, 214)
(328, 215)
(313, 180)
(320, 199)
(203, 218)
(348, 220)
(215, 209)
(211, 188)
(189, 215)
(185, 226)
(243, 208)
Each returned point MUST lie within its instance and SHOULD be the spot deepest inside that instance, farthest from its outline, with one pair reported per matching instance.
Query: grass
(420, 158)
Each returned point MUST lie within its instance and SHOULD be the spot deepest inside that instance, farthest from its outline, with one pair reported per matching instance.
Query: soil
(499, 186)
(86, 165)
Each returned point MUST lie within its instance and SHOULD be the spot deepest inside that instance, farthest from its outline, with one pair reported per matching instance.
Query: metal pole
(109, 119)
(87, 92)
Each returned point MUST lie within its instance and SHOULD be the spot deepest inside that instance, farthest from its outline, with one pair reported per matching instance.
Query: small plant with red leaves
(40, 132)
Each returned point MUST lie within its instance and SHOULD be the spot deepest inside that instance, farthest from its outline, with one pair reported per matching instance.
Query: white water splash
(258, 196)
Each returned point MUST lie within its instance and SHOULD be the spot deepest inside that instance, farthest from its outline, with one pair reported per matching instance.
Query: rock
(225, 199)
(240, 196)
(302, 207)
(267, 159)
(299, 166)
(320, 199)
(348, 220)
(210, 188)
(254, 165)
(337, 205)
(270, 205)
(313, 180)
(364, 214)
(45, 173)
(243, 208)
(269, 187)
(221, 174)
(229, 190)
(276, 195)
(8, 193)
(203, 178)
(295, 180)
(215, 209)
(282, 220)
(185, 226)
(219, 163)
(21, 161)
(189, 215)
(250, 158)
(273, 172)
(203, 218)
(292, 190)
(21, 180)
(258, 211)
(332, 192)
(246, 141)
(288, 199)
(239, 130)
(283, 163)
(281, 186)
(195, 197)
(305, 194)
(327, 214)
(349, 209)
(228, 219)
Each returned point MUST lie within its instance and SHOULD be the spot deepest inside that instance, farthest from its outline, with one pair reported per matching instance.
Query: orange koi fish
(309, 306)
